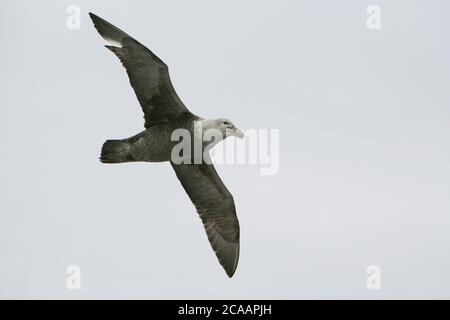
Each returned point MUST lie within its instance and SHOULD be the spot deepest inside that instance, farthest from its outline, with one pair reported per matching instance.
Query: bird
(164, 114)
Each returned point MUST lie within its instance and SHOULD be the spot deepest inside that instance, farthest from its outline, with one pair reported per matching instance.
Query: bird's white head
(228, 128)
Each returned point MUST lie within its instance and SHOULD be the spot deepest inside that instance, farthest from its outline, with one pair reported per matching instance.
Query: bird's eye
(226, 123)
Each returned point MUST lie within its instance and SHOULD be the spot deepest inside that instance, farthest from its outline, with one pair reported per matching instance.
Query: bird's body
(151, 145)
(165, 116)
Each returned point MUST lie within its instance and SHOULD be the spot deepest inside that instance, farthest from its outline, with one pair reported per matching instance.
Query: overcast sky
(364, 150)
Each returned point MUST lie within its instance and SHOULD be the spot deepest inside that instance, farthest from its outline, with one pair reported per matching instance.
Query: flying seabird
(164, 113)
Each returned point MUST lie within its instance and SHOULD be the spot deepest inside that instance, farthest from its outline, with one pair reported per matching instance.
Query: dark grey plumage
(163, 113)
(149, 76)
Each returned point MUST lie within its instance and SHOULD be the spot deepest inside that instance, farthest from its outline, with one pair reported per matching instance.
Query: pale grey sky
(364, 150)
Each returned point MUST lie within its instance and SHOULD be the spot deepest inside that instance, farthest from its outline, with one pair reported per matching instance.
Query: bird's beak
(238, 133)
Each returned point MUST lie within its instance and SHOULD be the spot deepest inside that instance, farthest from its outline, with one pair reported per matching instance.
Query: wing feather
(149, 75)
(215, 206)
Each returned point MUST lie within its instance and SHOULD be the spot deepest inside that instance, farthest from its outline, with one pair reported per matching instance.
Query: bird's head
(228, 128)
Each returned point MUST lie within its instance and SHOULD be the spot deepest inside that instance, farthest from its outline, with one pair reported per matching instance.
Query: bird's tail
(115, 151)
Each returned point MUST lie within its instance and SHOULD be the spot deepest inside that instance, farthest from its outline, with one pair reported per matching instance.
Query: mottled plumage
(164, 112)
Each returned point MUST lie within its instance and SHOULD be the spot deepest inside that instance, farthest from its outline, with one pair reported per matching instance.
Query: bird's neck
(208, 124)
(201, 132)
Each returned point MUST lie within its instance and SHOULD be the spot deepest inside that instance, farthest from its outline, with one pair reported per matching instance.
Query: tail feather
(115, 151)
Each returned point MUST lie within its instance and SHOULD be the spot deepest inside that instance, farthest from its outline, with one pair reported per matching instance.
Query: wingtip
(94, 18)
(108, 31)
(230, 273)
(230, 268)
(97, 20)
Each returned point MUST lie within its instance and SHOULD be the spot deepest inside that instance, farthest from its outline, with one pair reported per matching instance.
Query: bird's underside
(164, 112)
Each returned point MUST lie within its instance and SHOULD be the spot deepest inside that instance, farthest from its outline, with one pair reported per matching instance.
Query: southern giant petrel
(164, 113)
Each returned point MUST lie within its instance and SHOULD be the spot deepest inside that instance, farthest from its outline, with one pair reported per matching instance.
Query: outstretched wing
(215, 205)
(149, 75)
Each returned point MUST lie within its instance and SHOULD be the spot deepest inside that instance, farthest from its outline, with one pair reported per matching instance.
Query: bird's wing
(149, 75)
(215, 205)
